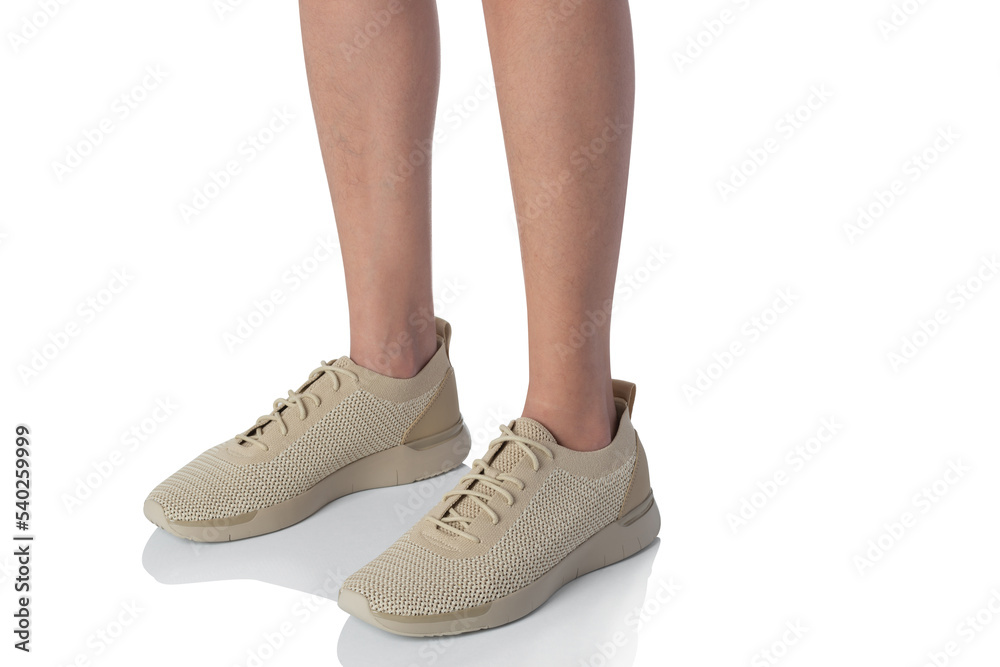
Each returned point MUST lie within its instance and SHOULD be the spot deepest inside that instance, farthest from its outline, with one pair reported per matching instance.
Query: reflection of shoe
(346, 429)
(313, 556)
(530, 517)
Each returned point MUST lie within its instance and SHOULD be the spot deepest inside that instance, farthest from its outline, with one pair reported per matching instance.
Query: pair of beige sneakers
(529, 517)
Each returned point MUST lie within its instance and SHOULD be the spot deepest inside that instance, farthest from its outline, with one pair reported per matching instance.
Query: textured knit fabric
(213, 486)
(504, 460)
(410, 579)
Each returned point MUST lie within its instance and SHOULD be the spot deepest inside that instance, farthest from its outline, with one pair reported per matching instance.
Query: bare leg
(565, 84)
(373, 68)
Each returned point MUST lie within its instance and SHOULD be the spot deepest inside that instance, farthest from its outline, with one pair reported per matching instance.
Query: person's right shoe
(346, 429)
(530, 517)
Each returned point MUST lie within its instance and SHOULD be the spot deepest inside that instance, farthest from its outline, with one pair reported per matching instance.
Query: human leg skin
(533, 513)
(565, 85)
(373, 97)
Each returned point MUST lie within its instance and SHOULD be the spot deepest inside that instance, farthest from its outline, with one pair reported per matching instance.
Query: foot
(346, 429)
(531, 516)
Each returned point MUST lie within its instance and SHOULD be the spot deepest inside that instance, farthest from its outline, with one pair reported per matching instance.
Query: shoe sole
(623, 538)
(401, 464)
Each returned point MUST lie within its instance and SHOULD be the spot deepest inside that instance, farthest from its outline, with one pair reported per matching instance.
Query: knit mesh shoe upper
(233, 478)
(343, 413)
(482, 554)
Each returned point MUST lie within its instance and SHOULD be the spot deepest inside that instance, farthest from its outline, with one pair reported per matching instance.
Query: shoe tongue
(505, 459)
(509, 455)
(270, 433)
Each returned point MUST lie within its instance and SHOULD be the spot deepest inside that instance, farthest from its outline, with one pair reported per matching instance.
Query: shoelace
(492, 478)
(295, 399)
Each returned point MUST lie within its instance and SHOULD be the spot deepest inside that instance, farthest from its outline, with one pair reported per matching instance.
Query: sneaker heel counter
(625, 391)
(440, 415)
(639, 487)
(443, 329)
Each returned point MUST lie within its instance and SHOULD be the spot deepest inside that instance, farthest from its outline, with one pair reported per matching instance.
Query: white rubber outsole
(401, 464)
(623, 538)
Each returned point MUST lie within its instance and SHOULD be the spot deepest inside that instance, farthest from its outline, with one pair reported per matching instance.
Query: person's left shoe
(530, 517)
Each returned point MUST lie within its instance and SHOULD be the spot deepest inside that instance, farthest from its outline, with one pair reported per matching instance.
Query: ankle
(578, 423)
(398, 354)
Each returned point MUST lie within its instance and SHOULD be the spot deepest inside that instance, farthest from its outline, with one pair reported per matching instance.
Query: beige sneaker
(346, 429)
(530, 517)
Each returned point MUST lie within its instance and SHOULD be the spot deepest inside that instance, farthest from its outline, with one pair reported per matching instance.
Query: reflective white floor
(594, 618)
(314, 556)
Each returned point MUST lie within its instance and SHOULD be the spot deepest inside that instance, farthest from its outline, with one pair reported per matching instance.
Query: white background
(709, 594)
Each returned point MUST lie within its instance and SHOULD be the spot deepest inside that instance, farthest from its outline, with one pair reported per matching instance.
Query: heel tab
(444, 331)
(625, 391)
(639, 490)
